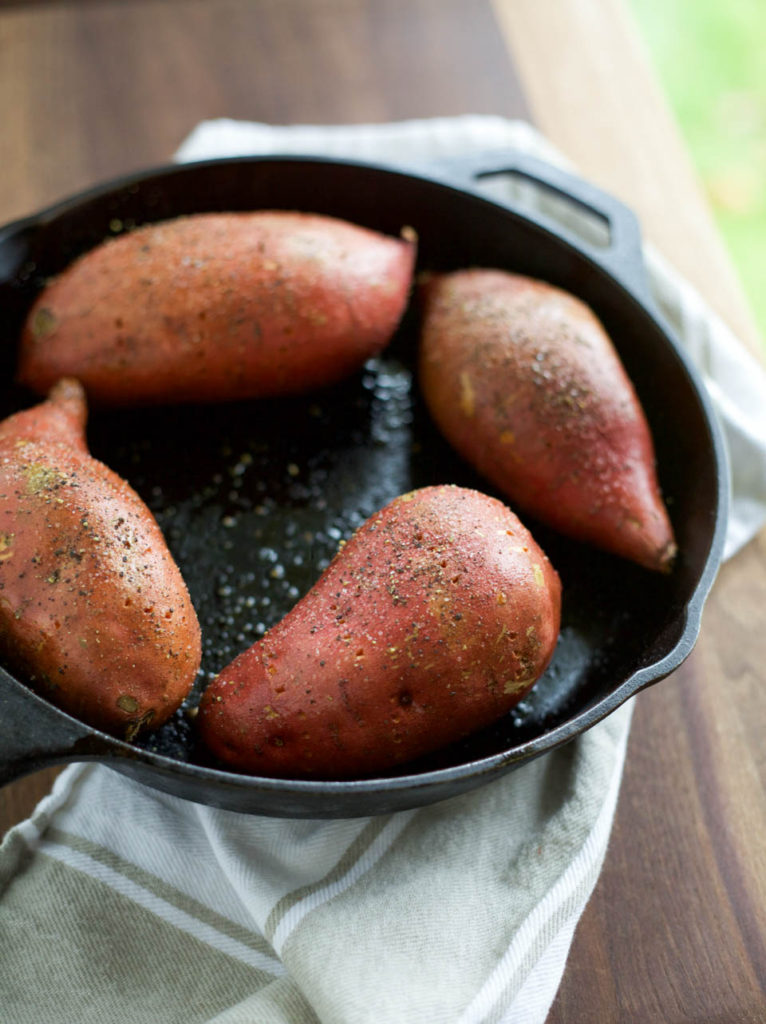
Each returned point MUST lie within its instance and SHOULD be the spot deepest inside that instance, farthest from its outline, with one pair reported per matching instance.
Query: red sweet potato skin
(94, 613)
(213, 307)
(436, 617)
(522, 379)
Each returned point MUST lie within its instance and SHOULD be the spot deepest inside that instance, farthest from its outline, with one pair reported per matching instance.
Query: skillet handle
(35, 735)
(590, 220)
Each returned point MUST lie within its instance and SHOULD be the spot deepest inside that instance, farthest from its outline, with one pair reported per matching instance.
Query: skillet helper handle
(35, 735)
(589, 219)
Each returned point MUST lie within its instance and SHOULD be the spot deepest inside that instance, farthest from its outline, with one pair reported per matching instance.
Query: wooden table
(676, 930)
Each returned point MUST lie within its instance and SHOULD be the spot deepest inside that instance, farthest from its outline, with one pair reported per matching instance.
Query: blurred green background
(710, 56)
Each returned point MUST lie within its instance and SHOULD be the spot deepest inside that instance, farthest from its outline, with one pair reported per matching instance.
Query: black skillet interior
(253, 497)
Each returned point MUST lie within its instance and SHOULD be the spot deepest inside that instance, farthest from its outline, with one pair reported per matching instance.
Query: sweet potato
(213, 307)
(94, 613)
(523, 381)
(435, 618)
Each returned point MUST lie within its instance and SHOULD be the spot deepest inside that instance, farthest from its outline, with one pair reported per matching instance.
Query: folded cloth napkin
(122, 904)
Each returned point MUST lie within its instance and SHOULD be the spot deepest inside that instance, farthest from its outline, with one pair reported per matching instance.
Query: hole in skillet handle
(517, 188)
(561, 202)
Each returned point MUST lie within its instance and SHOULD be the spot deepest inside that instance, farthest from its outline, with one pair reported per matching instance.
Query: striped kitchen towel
(122, 904)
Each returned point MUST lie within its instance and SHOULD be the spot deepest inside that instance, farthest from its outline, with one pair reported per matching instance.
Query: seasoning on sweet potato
(213, 307)
(523, 381)
(437, 616)
(94, 613)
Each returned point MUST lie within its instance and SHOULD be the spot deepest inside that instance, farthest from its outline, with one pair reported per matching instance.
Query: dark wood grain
(19, 798)
(93, 90)
(676, 929)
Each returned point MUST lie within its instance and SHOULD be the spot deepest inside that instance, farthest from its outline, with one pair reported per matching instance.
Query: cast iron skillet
(253, 497)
